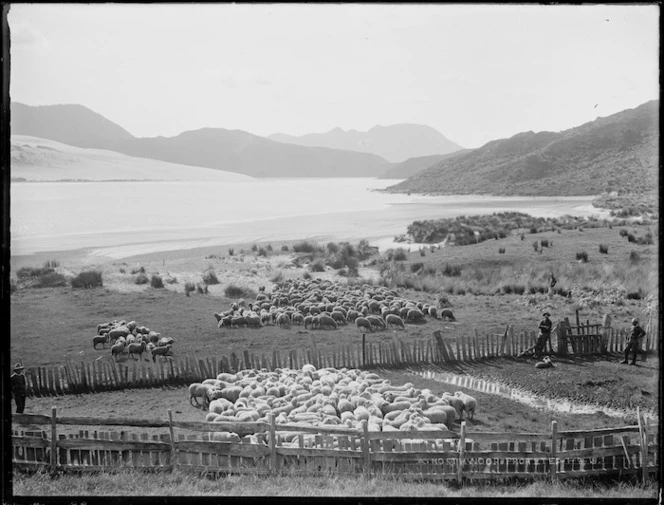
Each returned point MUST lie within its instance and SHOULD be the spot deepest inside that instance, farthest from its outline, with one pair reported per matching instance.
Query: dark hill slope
(619, 152)
(414, 166)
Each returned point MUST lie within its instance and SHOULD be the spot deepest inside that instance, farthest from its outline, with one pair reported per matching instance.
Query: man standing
(544, 334)
(633, 344)
(17, 380)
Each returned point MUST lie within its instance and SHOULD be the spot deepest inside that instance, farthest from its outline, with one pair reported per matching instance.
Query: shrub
(536, 245)
(582, 256)
(26, 272)
(634, 295)
(603, 249)
(623, 232)
(51, 264)
(209, 277)
(269, 248)
(451, 271)
(558, 230)
(254, 248)
(233, 291)
(460, 291)
(202, 288)
(631, 238)
(423, 252)
(306, 275)
(284, 248)
(189, 287)
(172, 280)
(51, 280)
(523, 236)
(156, 282)
(332, 248)
(317, 266)
(231, 251)
(444, 301)
(544, 242)
(262, 251)
(400, 254)
(533, 229)
(414, 267)
(88, 279)
(501, 250)
(305, 247)
(123, 271)
(138, 271)
(141, 278)
(634, 256)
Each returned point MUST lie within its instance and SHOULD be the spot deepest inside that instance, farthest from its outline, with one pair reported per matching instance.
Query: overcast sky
(474, 72)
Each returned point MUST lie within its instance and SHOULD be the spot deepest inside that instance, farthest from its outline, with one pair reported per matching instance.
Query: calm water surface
(124, 218)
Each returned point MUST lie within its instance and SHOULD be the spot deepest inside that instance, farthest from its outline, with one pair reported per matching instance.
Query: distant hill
(37, 159)
(229, 150)
(70, 124)
(615, 153)
(414, 166)
(395, 143)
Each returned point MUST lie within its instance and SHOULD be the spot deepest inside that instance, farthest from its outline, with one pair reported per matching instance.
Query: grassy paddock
(177, 483)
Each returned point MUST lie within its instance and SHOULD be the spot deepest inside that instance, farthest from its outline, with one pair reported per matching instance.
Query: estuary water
(121, 219)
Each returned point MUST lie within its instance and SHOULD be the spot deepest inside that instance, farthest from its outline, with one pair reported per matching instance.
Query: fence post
(553, 461)
(643, 445)
(364, 343)
(54, 439)
(273, 442)
(365, 448)
(174, 454)
(462, 451)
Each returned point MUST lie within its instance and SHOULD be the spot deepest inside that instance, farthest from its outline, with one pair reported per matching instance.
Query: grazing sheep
(433, 312)
(297, 318)
(117, 349)
(103, 340)
(253, 321)
(307, 321)
(447, 313)
(376, 322)
(283, 320)
(161, 351)
(238, 321)
(363, 322)
(394, 320)
(415, 316)
(196, 391)
(352, 316)
(469, 403)
(338, 317)
(325, 321)
(120, 331)
(455, 402)
(136, 349)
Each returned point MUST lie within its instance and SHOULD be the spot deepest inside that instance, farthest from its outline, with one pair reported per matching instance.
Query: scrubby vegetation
(209, 277)
(466, 230)
(87, 279)
(603, 249)
(141, 278)
(156, 282)
(582, 256)
(233, 291)
(189, 287)
(629, 205)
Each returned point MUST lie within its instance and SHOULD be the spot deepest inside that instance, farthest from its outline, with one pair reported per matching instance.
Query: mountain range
(230, 150)
(395, 143)
(615, 153)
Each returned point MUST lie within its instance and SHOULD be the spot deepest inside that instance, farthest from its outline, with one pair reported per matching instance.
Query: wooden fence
(107, 374)
(298, 449)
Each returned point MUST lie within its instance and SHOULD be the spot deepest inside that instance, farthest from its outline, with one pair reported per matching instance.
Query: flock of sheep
(131, 340)
(325, 397)
(319, 304)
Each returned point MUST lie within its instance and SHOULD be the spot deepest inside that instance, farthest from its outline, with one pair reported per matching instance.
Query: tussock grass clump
(634, 256)
(254, 248)
(202, 288)
(172, 280)
(284, 248)
(544, 242)
(603, 249)
(501, 250)
(332, 247)
(423, 252)
(582, 256)
(141, 278)
(156, 282)
(415, 267)
(231, 251)
(451, 270)
(306, 247)
(306, 276)
(278, 277)
(189, 287)
(536, 245)
(398, 254)
(234, 291)
(138, 271)
(28, 272)
(317, 266)
(51, 280)
(209, 277)
(87, 279)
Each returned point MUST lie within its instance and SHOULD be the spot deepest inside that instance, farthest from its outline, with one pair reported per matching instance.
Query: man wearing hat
(633, 344)
(17, 380)
(544, 334)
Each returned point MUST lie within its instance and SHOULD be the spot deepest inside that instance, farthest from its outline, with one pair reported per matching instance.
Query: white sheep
(469, 403)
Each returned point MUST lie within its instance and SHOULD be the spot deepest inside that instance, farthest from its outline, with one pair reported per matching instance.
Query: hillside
(395, 143)
(216, 148)
(70, 124)
(242, 152)
(615, 153)
(414, 166)
(35, 159)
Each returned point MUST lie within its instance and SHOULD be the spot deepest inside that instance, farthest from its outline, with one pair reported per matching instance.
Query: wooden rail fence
(298, 449)
(107, 374)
